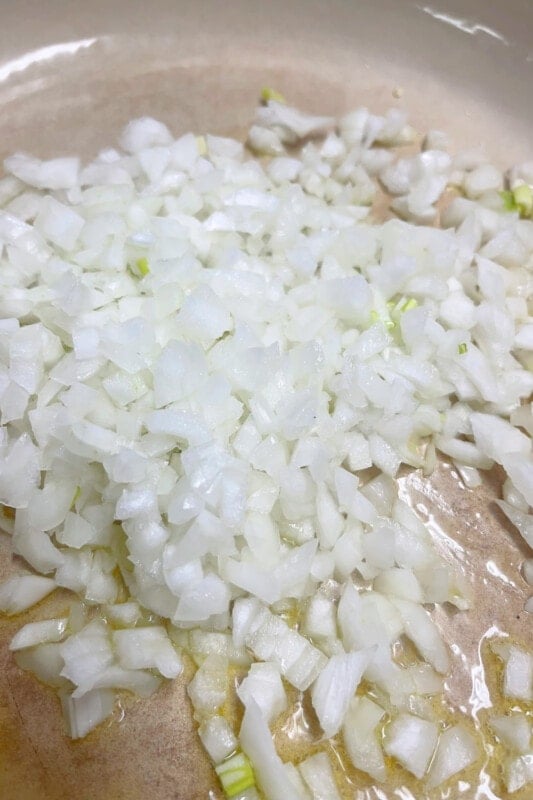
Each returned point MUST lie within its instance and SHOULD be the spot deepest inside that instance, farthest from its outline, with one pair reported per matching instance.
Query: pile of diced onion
(212, 367)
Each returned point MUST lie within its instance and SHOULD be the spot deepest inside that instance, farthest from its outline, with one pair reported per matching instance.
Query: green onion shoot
(523, 197)
(140, 269)
(519, 199)
(201, 144)
(75, 496)
(235, 775)
(408, 305)
(267, 93)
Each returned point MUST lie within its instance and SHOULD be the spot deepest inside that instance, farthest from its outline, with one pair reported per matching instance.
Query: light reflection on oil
(300, 730)
(496, 572)
(48, 53)
(472, 690)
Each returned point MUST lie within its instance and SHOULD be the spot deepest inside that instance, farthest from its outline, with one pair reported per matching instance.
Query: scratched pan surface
(71, 74)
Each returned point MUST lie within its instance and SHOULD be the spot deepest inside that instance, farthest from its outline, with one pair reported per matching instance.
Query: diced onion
(361, 739)
(412, 741)
(318, 775)
(217, 738)
(335, 686)
(203, 358)
(456, 750)
(514, 731)
(83, 714)
(19, 593)
(256, 741)
(51, 630)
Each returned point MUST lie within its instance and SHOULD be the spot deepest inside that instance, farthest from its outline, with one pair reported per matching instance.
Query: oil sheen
(471, 534)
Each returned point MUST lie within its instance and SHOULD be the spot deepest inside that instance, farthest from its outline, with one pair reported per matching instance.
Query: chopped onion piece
(318, 775)
(256, 742)
(46, 663)
(522, 522)
(51, 630)
(335, 687)
(514, 731)
(124, 614)
(263, 684)
(139, 681)
(83, 714)
(208, 688)
(411, 741)
(147, 648)
(294, 777)
(361, 738)
(424, 634)
(299, 662)
(19, 593)
(87, 654)
(518, 675)
(217, 738)
(518, 772)
(401, 583)
(456, 750)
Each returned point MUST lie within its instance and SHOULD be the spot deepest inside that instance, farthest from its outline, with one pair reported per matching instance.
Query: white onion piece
(208, 688)
(51, 630)
(320, 619)
(298, 660)
(518, 674)
(83, 714)
(145, 132)
(37, 549)
(57, 173)
(497, 438)
(457, 750)
(124, 614)
(205, 643)
(263, 141)
(293, 124)
(263, 685)
(87, 653)
(527, 571)
(514, 731)
(46, 663)
(401, 583)
(424, 634)
(469, 475)
(256, 742)
(335, 686)
(77, 532)
(518, 772)
(367, 619)
(522, 522)
(247, 615)
(294, 777)
(139, 682)
(203, 598)
(411, 741)
(147, 648)
(217, 738)
(21, 592)
(318, 775)
(519, 468)
(361, 737)
(425, 680)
